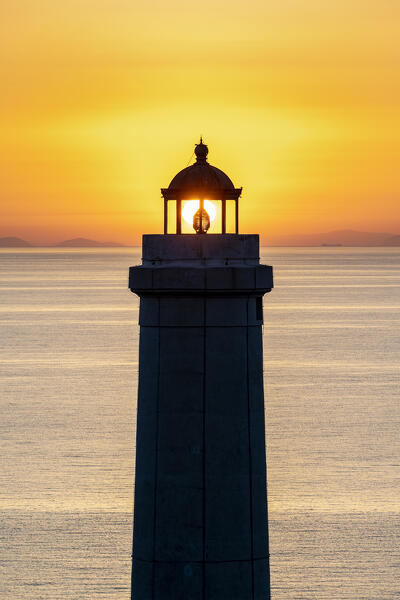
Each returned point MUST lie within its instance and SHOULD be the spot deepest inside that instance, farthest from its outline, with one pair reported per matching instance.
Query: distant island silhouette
(16, 242)
(394, 240)
(85, 243)
(344, 237)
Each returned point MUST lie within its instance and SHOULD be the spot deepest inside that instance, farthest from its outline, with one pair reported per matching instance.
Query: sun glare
(191, 206)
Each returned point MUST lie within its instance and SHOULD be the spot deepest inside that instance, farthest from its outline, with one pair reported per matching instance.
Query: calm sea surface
(68, 382)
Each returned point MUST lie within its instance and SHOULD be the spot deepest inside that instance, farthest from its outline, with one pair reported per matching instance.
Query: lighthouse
(200, 512)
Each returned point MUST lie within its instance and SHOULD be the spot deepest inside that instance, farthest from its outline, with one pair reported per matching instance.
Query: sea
(68, 385)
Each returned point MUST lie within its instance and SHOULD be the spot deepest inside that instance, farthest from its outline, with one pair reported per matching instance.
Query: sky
(102, 102)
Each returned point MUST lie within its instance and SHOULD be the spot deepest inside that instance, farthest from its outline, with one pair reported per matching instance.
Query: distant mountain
(85, 243)
(394, 240)
(345, 237)
(349, 237)
(14, 242)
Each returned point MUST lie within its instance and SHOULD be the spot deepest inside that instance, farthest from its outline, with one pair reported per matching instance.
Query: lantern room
(201, 199)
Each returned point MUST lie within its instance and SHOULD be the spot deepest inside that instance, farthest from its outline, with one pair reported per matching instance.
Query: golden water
(68, 376)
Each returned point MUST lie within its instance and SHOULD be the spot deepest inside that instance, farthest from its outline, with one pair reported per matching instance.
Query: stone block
(244, 278)
(181, 392)
(179, 521)
(227, 525)
(181, 369)
(261, 580)
(260, 516)
(181, 349)
(179, 278)
(227, 449)
(140, 278)
(219, 278)
(181, 311)
(252, 317)
(148, 370)
(226, 368)
(196, 247)
(180, 449)
(149, 311)
(177, 581)
(255, 367)
(226, 312)
(228, 581)
(257, 437)
(142, 579)
(143, 530)
(264, 279)
(146, 437)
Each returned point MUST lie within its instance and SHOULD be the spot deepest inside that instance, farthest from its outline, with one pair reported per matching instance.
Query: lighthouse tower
(200, 520)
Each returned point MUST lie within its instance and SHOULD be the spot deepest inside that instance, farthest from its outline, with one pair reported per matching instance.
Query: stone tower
(200, 522)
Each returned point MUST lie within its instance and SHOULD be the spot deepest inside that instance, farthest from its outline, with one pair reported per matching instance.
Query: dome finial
(201, 151)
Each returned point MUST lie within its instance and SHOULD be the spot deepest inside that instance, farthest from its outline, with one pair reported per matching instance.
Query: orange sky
(103, 100)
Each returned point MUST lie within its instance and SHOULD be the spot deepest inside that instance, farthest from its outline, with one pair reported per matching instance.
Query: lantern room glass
(224, 215)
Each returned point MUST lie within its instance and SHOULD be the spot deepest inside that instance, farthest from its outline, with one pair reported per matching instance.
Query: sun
(191, 206)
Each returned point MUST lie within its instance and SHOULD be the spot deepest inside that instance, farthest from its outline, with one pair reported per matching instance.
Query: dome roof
(201, 178)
